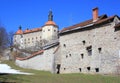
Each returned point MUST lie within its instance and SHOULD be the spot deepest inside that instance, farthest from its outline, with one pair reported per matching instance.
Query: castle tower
(50, 29)
(18, 38)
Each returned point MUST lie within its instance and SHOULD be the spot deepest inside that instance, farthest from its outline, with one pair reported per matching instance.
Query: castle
(91, 46)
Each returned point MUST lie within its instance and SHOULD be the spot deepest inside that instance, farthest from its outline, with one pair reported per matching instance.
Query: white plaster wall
(39, 62)
(30, 39)
(49, 32)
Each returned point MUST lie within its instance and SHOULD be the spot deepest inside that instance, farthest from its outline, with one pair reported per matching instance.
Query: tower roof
(50, 23)
(50, 19)
(19, 31)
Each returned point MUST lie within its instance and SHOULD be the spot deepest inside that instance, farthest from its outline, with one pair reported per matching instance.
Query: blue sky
(34, 13)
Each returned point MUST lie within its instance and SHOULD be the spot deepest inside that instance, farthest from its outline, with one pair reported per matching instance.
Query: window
(99, 49)
(36, 37)
(54, 30)
(82, 56)
(89, 50)
(66, 56)
(32, 38)
(28, 38)
(83, 42)
(48, 29)
(24, 39)
(64, 68)
(88, 68)
(21, 36)
(97, 69)
(64, 45)
(80, 69)
(70, 55)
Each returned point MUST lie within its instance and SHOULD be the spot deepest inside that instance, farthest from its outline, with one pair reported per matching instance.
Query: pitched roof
(19, 32)
(85, 24)
(28, 31)
(32, 30)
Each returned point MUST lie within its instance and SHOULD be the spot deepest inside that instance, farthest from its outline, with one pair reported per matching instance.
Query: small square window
(83, 42)
(89, 50)
(88, 68)
(99, 49)
(82, 56)
(66, 56)
(97, 69)
(64, 45)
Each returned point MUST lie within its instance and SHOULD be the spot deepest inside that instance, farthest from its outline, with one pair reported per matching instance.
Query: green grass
(47, 77)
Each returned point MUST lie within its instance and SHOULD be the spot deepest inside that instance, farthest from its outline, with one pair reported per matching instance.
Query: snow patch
(4, 68)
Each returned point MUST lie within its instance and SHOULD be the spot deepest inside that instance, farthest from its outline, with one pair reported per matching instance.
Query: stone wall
(40, 62)
(90, 51)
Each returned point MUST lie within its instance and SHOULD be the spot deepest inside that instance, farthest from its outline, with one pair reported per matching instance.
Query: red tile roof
(19, 32)
(101, 19)
(28, 57)
(32, 30)
(50, 23)
(28, 31)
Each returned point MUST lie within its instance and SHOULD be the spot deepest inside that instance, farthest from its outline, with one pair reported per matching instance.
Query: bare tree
(3, 39)
(10, 38)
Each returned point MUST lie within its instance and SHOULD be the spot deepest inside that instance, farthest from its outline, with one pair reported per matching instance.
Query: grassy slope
(47, 77)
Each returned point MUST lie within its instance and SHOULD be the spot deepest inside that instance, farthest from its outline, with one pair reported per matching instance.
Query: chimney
(95, 14)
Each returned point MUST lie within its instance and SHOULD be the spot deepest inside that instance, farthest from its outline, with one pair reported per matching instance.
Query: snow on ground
(4, 68)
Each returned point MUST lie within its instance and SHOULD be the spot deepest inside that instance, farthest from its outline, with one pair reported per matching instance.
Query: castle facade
(91, 46)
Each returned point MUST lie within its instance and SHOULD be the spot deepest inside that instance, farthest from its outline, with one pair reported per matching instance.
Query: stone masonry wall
(104, 43)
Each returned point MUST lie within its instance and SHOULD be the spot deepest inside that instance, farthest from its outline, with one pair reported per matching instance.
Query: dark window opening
(58, 68)
(21, 36)
(64, 68)
(99, 49)
(82, 56)
(54, 30)
(115, 38)
(83, 42)
(69, 54)
(88, 68)
(97, 69)
(64, 45)
(80, 69)
(48, 29)
(89, 50)
(66, 56)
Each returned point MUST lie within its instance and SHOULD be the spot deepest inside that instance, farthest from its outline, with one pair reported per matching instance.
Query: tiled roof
(50, 23)
(19, 32)
(28, 31)
(101, 19)
(28, 57)
(32, 30)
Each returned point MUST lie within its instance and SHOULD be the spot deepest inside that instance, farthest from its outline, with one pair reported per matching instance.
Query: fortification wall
(43, 61)
(102, 42)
